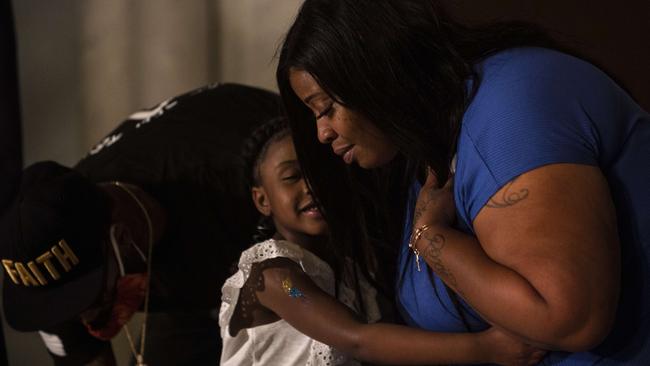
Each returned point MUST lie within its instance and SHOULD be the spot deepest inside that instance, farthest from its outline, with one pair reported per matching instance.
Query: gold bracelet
(415, 236)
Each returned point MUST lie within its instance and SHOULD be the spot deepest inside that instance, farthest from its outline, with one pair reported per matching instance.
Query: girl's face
(283, 194)
(351, 136)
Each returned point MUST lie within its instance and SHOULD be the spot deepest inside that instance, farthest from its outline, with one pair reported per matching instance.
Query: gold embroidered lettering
(65, 255)
(27, 278)
(10, 270)
(37, 273)
(46, 260)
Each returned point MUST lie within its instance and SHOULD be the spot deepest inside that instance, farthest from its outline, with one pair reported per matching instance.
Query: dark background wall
(613, 34)
(10, 141)
(10, 137)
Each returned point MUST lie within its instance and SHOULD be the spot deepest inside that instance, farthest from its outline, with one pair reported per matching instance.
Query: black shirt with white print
(185, 153)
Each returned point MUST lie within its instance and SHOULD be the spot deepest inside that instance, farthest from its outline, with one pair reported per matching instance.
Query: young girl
(280, 309)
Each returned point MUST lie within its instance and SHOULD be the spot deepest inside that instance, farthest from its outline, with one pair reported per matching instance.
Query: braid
(255, 146)
(253, 152)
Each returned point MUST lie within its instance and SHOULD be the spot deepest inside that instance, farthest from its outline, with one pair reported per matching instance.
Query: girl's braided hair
(253, 152)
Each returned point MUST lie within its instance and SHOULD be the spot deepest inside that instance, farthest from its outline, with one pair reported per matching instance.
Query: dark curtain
(10, 132)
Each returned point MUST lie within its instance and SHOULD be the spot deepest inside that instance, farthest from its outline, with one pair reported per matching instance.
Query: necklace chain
(139, 356)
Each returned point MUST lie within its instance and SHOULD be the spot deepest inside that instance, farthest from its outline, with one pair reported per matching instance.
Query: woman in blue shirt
(535, 210)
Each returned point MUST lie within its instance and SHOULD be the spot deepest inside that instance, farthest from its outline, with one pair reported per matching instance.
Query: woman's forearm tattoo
(423, 202)
(435, 243)
(508, 197)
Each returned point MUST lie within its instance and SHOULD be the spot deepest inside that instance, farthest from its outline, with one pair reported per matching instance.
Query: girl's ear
(261, 200)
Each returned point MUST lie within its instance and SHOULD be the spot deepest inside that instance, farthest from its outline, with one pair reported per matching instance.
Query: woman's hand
(504, 349)
(435, 206)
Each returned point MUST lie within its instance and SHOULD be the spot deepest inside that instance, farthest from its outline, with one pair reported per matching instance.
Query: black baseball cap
(52, 247)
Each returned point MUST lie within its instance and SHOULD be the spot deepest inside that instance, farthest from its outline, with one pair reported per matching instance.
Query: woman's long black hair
(405, 66)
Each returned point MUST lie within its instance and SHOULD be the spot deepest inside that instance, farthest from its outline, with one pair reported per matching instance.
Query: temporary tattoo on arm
(433, 252)
(290, 290)
(508, 197)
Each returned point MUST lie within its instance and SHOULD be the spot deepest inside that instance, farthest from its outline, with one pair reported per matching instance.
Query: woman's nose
(325, 132)
(305, 187)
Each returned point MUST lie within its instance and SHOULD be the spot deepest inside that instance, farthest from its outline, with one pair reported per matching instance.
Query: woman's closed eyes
(326, 112)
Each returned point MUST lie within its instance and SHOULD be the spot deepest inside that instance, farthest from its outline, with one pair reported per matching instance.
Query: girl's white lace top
(278, 343)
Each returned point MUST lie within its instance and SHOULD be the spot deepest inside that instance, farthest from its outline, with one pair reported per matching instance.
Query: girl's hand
(435, 206)
(504, 349)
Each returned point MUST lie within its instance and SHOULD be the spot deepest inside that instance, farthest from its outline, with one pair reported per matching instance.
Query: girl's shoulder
(255, 257)
(272, 248)
(317, 269)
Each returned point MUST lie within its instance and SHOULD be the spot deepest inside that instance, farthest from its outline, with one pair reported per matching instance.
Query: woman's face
(353, 137)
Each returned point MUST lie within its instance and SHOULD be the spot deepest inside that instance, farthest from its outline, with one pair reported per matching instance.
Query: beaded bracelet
(417, 233)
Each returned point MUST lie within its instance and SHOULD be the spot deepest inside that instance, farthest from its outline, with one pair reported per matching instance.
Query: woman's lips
(346, 152)
(348, 157)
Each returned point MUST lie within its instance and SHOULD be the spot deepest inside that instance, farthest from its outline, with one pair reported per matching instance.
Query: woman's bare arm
(546, 262)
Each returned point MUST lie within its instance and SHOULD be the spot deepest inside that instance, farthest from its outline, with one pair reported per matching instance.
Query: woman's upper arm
(556, 227)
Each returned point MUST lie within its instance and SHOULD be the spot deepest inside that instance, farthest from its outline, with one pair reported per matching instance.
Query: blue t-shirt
(535, 107)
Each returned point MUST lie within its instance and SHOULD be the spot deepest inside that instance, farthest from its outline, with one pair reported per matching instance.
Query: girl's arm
(546, 263)
(292, 295)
